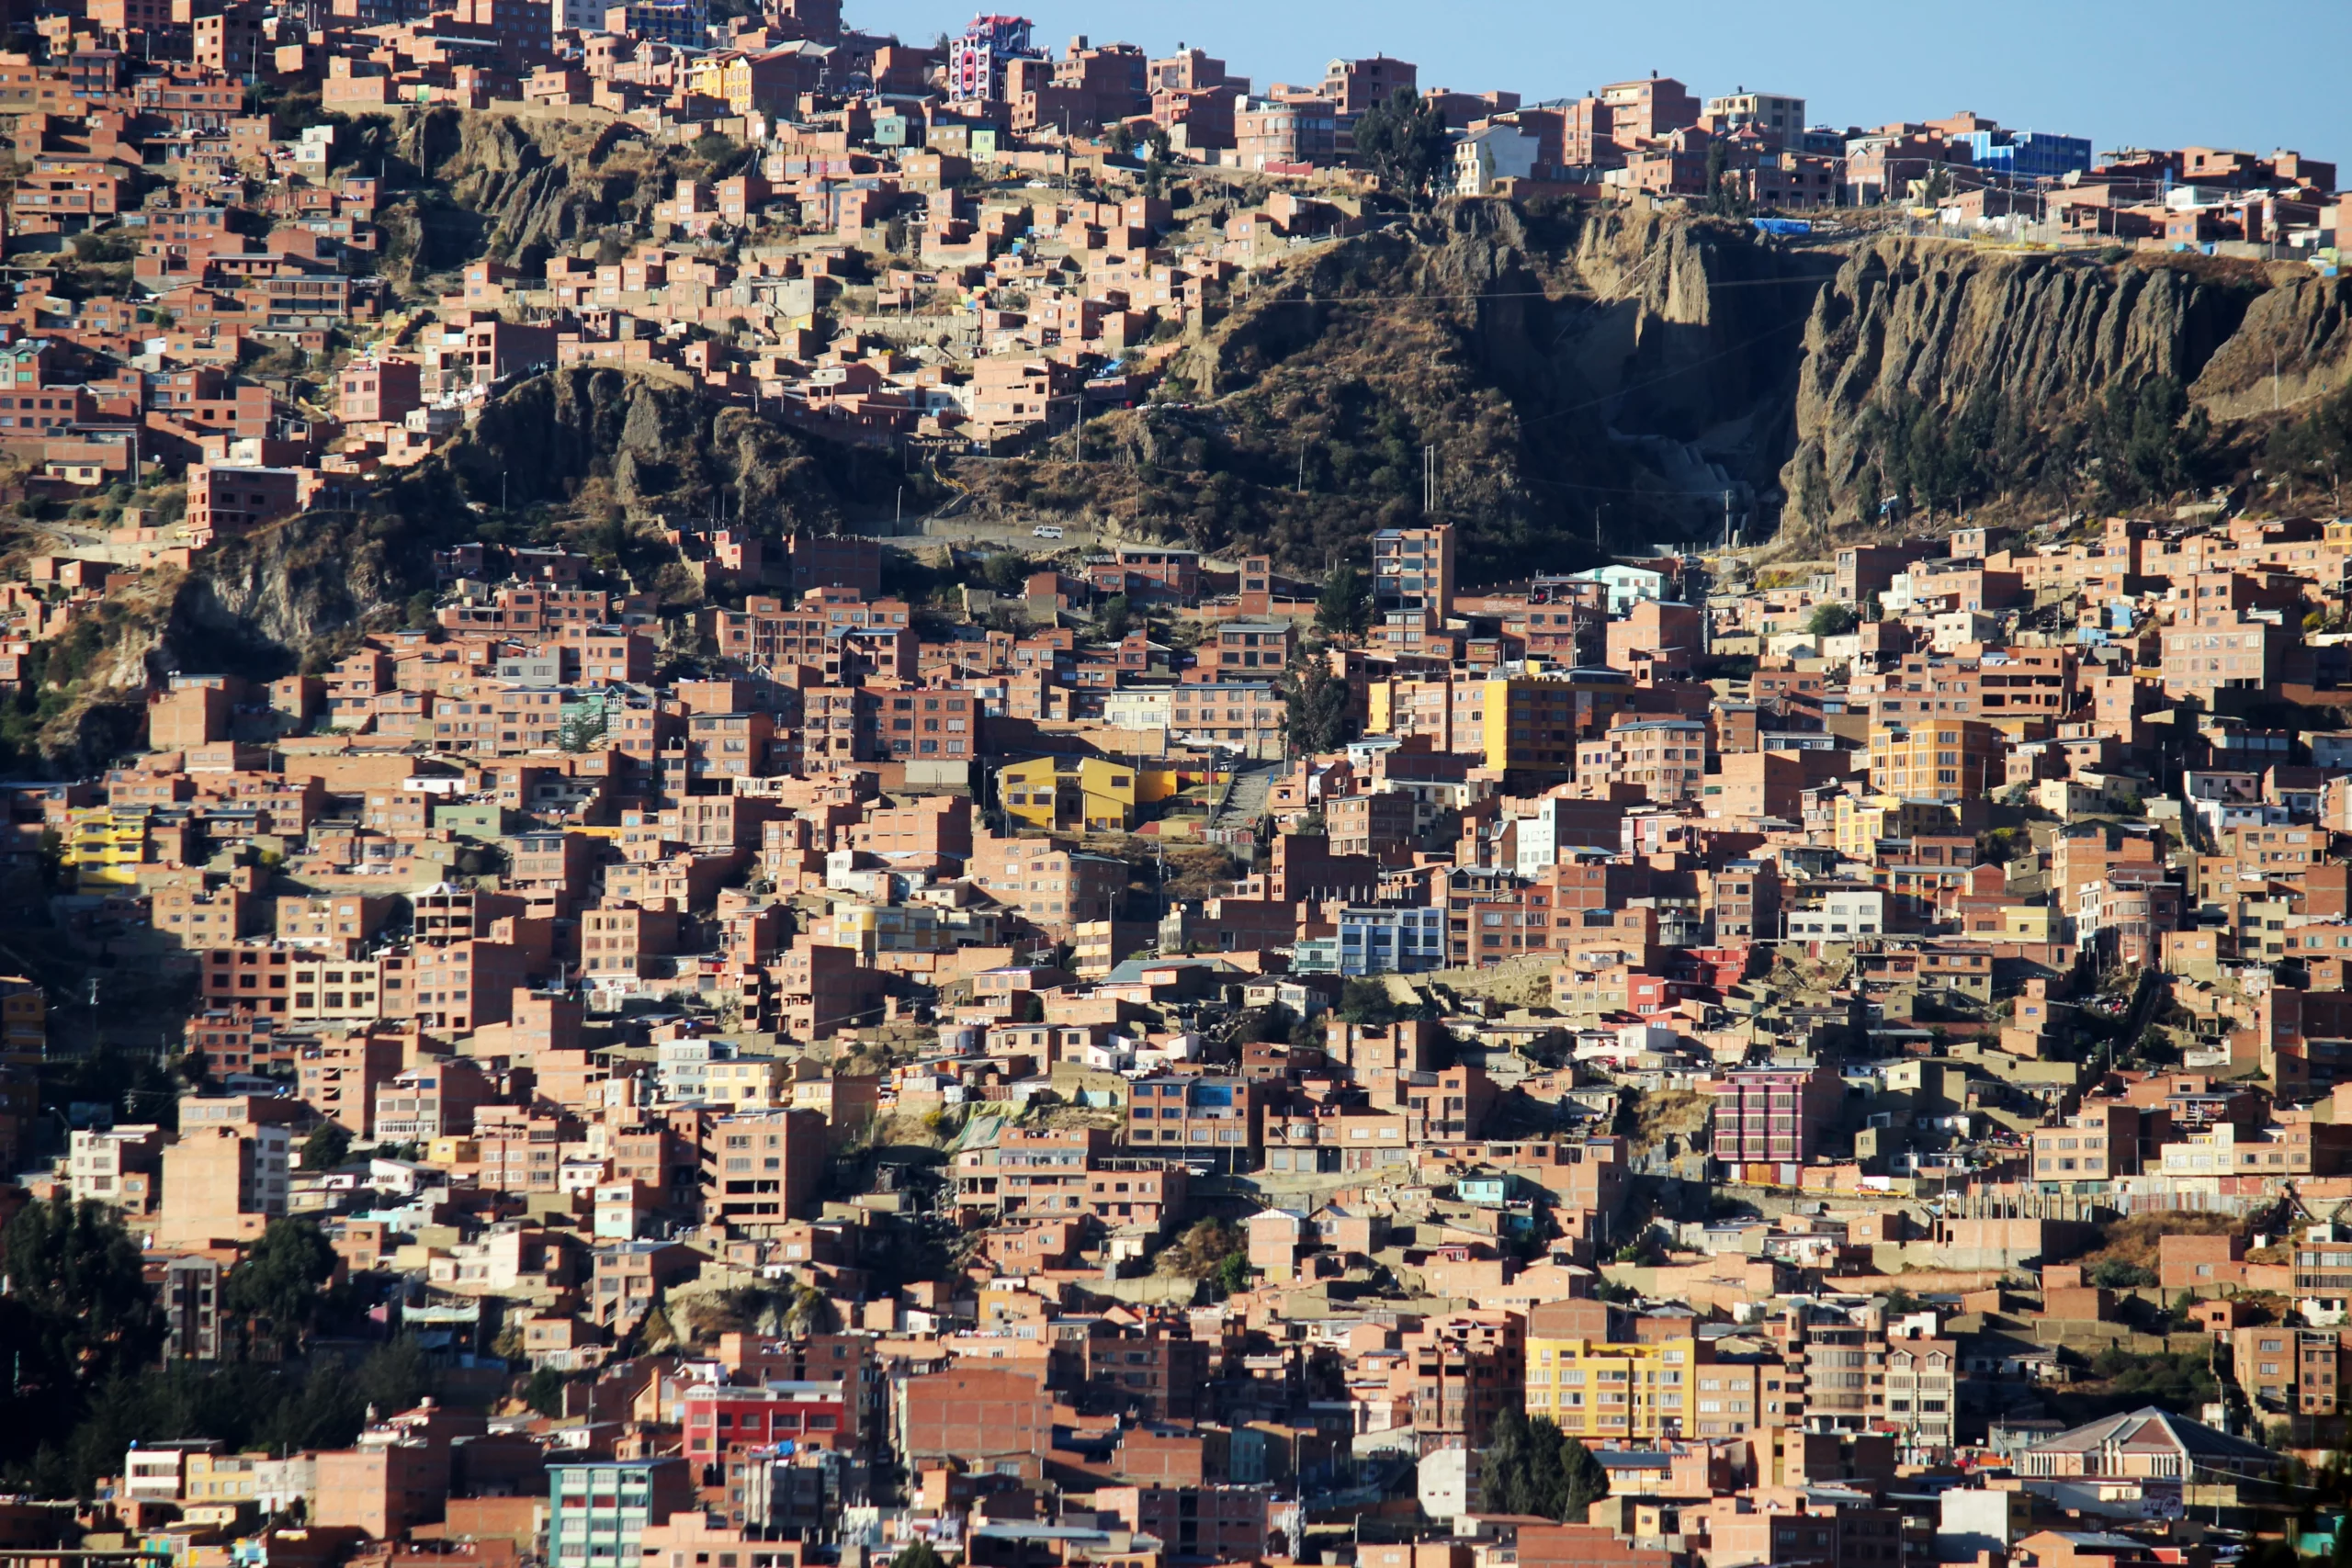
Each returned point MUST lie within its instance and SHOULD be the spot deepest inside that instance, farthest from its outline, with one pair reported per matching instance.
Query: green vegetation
(1213, 1251)
(277, 1286)
(84, 1332)
(1322, 718)
(2317, 448)
(1725, 196)
(2114, 1274)
(543, 1392)
(61, 1448)
(1530, 1467)
(1832, 620)
(2140, 442)
(1158, 165)
(1368, 1002)
(76, 1292)
(2178, 1381)
(1006, 571)
(326, 1146)
(1344, 607)
(1403, 140)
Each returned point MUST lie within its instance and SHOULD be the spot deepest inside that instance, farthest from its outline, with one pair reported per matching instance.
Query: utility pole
(1302, 466)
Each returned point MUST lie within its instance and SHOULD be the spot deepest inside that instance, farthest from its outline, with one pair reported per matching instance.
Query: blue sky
(2255, 73)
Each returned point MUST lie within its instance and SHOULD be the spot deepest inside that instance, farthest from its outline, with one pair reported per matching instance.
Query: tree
(1725, 196)
(2115, 1274)
(1006, 571)
(1121, 139)
(1344, 607)
(1584, 1480)
(1502, 1468)
(1111, 622)
(2318, 445)
(1157, 163)
(77, 1273)
(2149, 442)
(1368, 1001)
(326, 1146)
(1531, 1467)
(1320, 711)
(1232, 1274)
(543, 1392)
(581, 731)
(1402, 139)
(1832, 620)
(922, 1554)
(811, 1312)
(1270, 1024)
(275, 1288)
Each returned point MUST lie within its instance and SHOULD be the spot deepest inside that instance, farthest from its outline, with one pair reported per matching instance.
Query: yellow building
(1596, 1388)
(747, 1083)
(2027, 922)
(1862, 821)
(24, 1023)
(223, 1478)
(1527, 726)
(1080, 794)
(707, 75)
(1944, 758)
(106, 847)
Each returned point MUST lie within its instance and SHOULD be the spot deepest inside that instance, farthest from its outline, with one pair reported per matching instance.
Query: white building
(1839, 917)
(100, 1160)
(1495, 152)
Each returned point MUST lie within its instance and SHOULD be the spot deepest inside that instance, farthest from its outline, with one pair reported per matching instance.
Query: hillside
(593, 458)
(1564, 365)
(1574, 367)
(1567, 380)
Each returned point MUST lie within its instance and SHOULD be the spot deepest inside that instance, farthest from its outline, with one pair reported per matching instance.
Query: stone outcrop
(1939, 324)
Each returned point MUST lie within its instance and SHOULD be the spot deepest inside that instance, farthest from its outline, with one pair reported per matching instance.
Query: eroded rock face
(495, 186)
(1945, 323)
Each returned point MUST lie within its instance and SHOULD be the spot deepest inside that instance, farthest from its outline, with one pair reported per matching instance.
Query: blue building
(598, 1509)
(1381, 941)
(1377, 940)
(2029, 154)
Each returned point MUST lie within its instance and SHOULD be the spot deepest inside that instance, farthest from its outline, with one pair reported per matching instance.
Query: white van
(1046, 531)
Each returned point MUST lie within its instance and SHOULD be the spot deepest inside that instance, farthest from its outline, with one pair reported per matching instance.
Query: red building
(721, 1420)
(1774, 1114)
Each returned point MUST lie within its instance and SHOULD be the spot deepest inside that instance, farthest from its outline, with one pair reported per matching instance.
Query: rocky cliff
(649, 447)
(1571, 371)
(1549, 372)
(589, 458)
(465, 185)
(2041, 351)
(1546, 373)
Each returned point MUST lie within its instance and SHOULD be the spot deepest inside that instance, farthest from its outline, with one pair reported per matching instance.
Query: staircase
(1245, 798)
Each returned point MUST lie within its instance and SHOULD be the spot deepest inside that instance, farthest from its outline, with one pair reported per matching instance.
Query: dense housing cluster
(1066, 1097)
(820, 1052)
